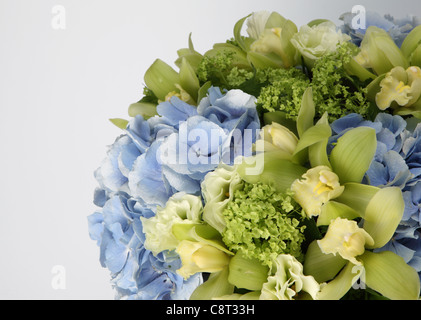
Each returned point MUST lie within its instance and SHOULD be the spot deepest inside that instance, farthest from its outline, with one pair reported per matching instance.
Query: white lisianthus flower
(287, 280)
(180, 209)
(316, 41)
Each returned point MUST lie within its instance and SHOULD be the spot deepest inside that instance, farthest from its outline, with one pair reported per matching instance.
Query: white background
(58, 88)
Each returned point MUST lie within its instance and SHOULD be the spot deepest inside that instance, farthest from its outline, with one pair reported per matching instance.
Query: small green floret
(262, 223)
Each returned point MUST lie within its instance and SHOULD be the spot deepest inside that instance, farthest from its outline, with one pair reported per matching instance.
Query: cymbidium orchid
(400, 90)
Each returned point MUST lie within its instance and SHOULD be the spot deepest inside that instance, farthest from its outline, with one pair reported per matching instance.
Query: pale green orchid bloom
(317, 186)
(379, 52)
(272, 46)
(256, 23)
(381, 211)
(346, 238)
(400, 90)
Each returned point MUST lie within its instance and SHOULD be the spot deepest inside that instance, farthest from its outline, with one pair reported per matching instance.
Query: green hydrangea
(334, 91)
(262, 223)
(282, 90)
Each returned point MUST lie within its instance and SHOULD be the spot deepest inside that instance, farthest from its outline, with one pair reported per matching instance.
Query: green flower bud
(276, 137)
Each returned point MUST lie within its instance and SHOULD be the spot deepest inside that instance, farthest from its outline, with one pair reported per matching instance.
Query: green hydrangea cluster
(262, 223)
(334, 91)
(282, 90)
(278, 89)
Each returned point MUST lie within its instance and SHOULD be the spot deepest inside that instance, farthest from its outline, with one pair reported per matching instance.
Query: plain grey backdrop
(59, 87)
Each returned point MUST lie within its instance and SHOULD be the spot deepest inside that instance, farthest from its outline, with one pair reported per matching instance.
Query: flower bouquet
(280, 165)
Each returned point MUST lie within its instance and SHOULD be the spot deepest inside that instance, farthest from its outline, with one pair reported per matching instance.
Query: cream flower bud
(276, 137)
(200, 257)
(318, 186)
(346, 238)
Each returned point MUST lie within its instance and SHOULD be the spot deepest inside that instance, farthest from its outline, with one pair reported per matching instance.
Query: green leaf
(332, 210)
(246, 273)
(383, 214)
(357, 196)
(145, 109)
(388, 274)
(216, 286)
(352, 155)
(120, 123)
(161, 79)
(323, 267)
(305, 119)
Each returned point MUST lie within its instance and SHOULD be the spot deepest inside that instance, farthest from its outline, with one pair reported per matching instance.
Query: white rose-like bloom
(318, 40)
(256, 23)
(287, 279)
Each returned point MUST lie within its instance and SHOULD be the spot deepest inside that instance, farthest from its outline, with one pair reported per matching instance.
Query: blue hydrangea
(135, 177)
(397, 162)
(135, 272)
(177, 161)
(398, 29)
